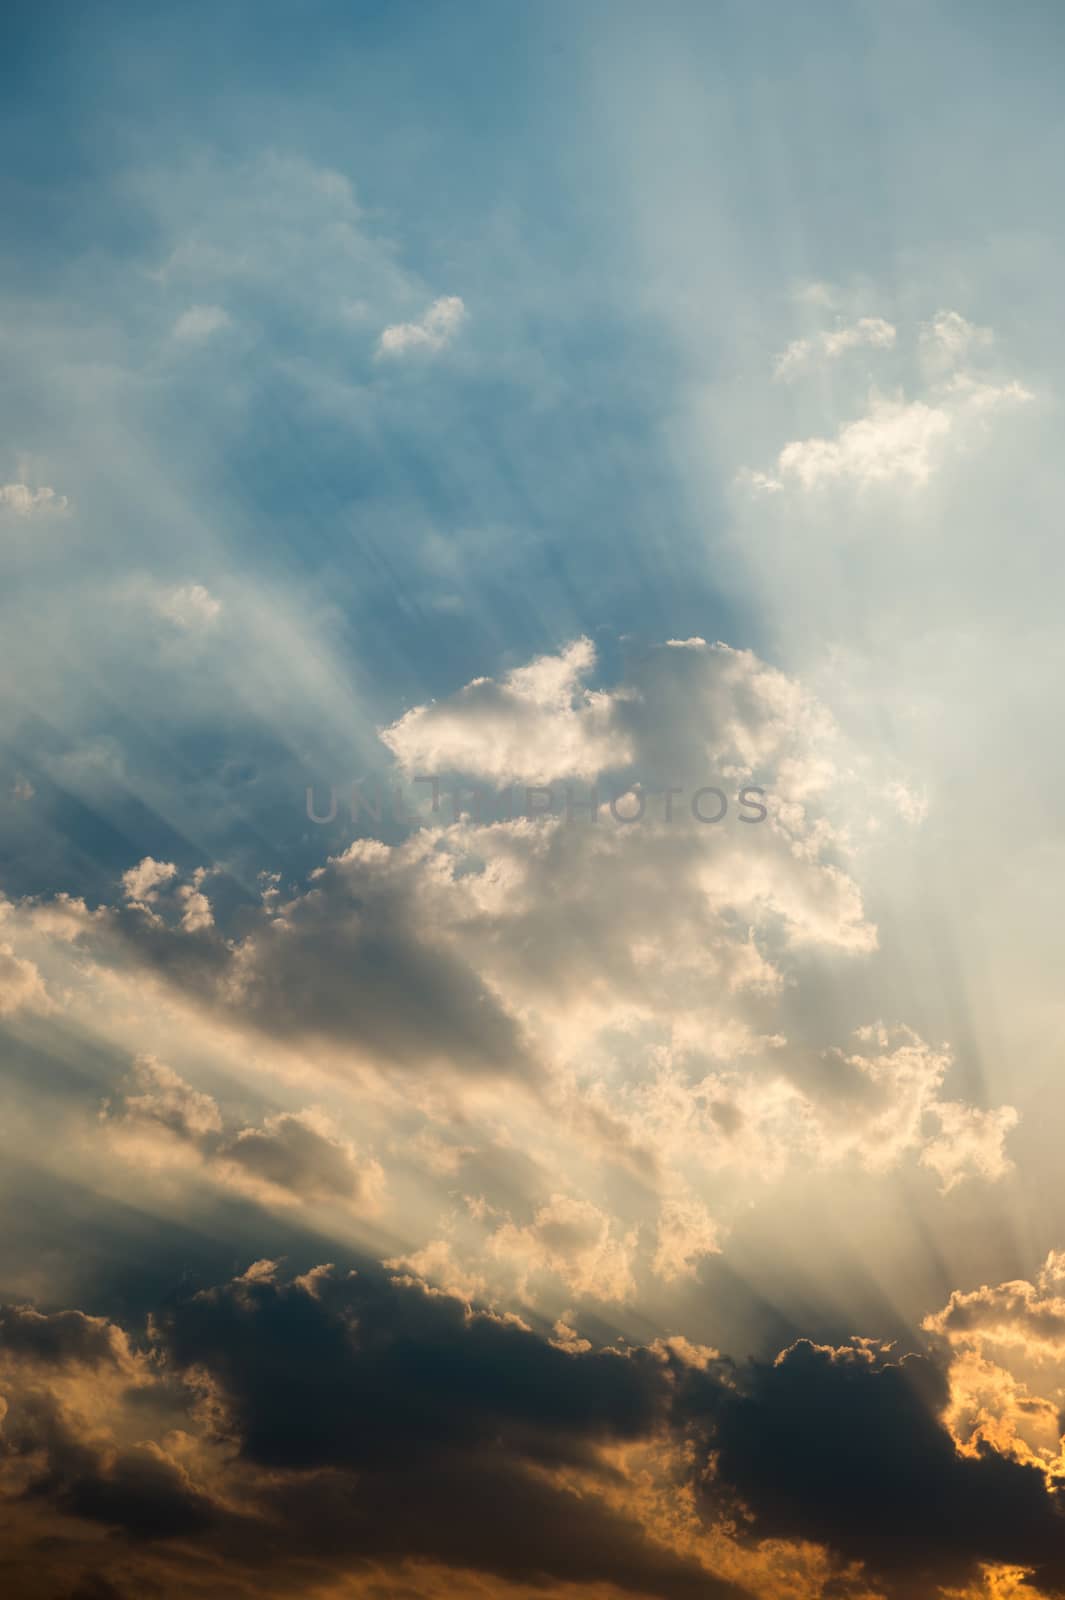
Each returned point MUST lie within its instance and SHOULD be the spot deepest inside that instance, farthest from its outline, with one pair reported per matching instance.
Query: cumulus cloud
(432, 332)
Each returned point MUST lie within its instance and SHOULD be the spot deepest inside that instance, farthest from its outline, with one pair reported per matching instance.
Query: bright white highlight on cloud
(436, 329)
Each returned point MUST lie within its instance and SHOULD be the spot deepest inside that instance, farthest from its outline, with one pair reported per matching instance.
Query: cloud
(870, 332)
(21, 984)
(540, 723)
(189, 606)
(847, 1447)
(616, 1002)
(576, 1242)
(165, 1099)
(341, 1418)
(686, 1233)
(292, 1156)
(898, 440)
(201, 322)
(948, 339)
(435, 330)
(23, 501)
(1028, 1318)
(141, 884)
(301, 1154)
(62, 1339)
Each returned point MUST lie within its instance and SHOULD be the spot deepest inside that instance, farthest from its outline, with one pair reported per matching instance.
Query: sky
(530, 825)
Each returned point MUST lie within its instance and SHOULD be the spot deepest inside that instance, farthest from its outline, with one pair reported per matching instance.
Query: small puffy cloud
(436, 329)
(151, 887)
(871, 332)
(895, 441)
(189, 606)
(898, 441)
(200, 322)
(22, 501)
(141, 884)
(301, 1154)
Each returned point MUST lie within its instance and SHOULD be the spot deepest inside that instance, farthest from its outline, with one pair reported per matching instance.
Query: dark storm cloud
(429, 1423)
(359, 1370)
(848, 1448)
(361, 1420)
(138, 1490)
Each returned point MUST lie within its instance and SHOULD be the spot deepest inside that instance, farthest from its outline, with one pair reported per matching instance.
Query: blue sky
(533, 396)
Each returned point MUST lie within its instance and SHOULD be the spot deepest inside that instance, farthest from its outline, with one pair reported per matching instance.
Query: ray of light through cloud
(530, 836)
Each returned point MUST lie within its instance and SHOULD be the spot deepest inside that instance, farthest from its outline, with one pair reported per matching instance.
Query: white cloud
(23, 501)
(895, 441)
(439, 325)
(200, 322)
(141, 884)
(898, 440)
(871, 332)
(970, 1141)
(189, 606)
(948, 339)
(540, 723)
